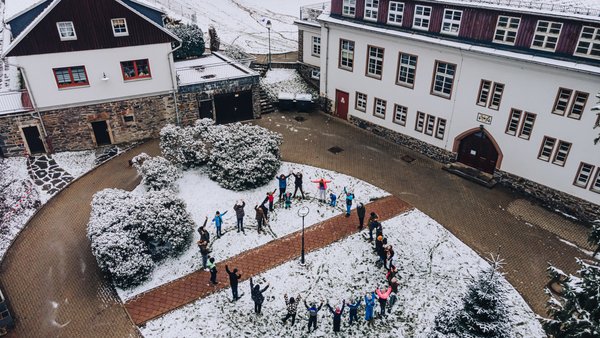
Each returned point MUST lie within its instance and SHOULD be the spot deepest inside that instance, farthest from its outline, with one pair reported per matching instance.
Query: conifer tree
(594, 238)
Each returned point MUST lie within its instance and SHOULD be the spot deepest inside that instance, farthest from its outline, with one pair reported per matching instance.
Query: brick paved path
(182, 291)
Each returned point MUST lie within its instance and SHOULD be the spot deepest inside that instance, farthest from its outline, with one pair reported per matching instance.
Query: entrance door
(101, 133)
(478, 151)
(234, 107)
(34, 140)
(341, 104)
(206, 109)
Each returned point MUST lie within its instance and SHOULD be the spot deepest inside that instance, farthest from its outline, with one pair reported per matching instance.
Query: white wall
(528, 87)
(48, 96)
(307, 36)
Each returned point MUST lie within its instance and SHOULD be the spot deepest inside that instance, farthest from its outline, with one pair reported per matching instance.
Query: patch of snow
(287, 81)
(434, 269)
(566, 215)
(587, 252)
(195, 188)
(76, 163)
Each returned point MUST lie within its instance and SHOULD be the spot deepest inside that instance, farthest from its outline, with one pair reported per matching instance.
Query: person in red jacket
(383, 297)
(322, 186)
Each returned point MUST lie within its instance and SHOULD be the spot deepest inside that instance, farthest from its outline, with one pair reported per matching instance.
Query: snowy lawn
(434, 269)
(204, 197)
(280, 80)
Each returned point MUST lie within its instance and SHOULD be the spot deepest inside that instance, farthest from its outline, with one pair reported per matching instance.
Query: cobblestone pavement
(49, 275)
(46, 173)
(182, 291)
(489, 221)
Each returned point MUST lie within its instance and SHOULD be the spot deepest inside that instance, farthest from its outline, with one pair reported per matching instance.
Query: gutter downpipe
(31, 97)
(326, 25)
(174, 74)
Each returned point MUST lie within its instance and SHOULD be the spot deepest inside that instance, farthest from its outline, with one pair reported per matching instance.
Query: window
(374, 62)
(506, 29)
(583, 175)
(572, 104)
(128, 119)
(315, 74)
(546, 35)
(70, 76)
(527, 127)
(443, 77)
(349, 8)
(395, 13)
(451, 21)
(420, 121)
(119, 27)
(484, 92)
(441, 129)
(136, 69)
(361, 102)
(547, 148)
(496, 96)
(513, 122)
(596, 182)
(407, 69)
(379, 108)
(422, 17)
(346, 54)
(66, 30)
(400, 114)
(316, 46)
(430, 125)
(589, 42)
(560, 157)
(371, 9)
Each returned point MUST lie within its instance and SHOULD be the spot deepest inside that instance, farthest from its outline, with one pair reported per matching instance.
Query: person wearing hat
(337, 315)
(313, 312)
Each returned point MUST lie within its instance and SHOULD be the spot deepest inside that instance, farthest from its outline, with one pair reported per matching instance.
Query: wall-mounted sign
(483, 118)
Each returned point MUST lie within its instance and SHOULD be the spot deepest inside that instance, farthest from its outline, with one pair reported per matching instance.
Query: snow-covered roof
(564, 64)
(210, 68)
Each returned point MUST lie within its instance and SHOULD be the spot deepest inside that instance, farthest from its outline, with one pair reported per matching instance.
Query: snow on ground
(76, 163)
(434, 268)
(242, 22)
(280, 80)
(204, 197)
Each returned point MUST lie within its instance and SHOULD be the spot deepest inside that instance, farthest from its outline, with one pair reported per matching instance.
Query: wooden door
(34, 140)
(101, 134)
(341, 104)
(478, 151)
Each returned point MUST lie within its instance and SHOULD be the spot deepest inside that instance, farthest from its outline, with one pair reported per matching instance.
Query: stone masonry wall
(305, 71)
(11, 143)
(300, 45)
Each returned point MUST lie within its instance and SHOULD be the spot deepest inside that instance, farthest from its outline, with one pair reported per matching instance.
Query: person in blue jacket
(218, 220)
(349, 199)
(313, 313)
(353, 308)
(369, 305)
(282, 185)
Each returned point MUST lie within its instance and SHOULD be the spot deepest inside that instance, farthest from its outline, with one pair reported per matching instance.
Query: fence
(15, 101)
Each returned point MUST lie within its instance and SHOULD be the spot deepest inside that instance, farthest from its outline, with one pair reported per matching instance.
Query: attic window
(66, 30)
(119, 27)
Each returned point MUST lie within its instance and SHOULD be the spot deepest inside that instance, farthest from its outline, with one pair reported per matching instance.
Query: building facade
(505, 90)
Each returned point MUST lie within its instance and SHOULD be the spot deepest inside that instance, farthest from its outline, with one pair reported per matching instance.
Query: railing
(544, 5)
(311, 12)
(15, 101)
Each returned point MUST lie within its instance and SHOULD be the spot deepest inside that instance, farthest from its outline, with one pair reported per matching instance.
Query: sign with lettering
(483, 118)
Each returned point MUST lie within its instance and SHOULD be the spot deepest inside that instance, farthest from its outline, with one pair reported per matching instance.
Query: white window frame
(361, 101)
(395, 13)
(440, 129)
(560, 151)
(349, 8)
(347, 54)
(595, 187)
(590, 43)
(506, 31)
(548, 39)
(584, 175)
(315, 74)
(421, 20)
(379, 107)
(68, 25)
(441, 73)
(429, 125)
(405, 70)
(420, 122)
(375, 62)
(578, 102)
(316, 46)
(527, 125)
(400, 114)
(547, 148)
(514, 121)
(450, 24)
(561, 103)
(485, 88)
(371, 10)
(497, 92)
(116, 25)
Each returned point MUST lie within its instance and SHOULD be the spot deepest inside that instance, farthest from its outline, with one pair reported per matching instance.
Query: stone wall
(300, 45)
(551, 198)
(433, 152)
(305, 71)
(11, 143)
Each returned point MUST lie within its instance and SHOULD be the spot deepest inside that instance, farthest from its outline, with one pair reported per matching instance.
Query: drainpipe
(326, 25)
(31, 97)
(174, 74)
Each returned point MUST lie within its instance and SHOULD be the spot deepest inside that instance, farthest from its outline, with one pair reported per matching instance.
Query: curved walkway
(49, 275)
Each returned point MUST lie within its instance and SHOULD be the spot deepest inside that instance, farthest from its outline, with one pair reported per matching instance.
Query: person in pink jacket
(322, 186)
(383, 297)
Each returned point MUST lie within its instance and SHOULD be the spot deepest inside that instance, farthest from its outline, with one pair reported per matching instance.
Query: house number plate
(483, 118)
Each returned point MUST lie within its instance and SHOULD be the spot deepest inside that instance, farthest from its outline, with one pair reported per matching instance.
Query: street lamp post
(302, 212)
(269, 25)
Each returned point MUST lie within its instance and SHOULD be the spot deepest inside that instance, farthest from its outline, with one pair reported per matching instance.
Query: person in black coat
(257, 296)
(234, 277)
(337, 315)
(298, 184)
(361, 211)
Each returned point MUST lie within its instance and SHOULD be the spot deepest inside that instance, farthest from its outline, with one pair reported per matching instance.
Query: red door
(478, 151)
(341, 104)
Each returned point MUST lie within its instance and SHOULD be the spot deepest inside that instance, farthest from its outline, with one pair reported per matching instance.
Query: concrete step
(471, 174)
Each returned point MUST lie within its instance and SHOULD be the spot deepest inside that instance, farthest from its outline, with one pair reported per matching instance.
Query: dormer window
(371, 9)
(119, 27)
(589, 43)
(422, 17)
(66, 30)
(546, 35)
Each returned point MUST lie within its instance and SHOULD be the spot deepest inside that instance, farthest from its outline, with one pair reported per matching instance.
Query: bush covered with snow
(157, 173)
(17, 195)
(186, 146)
(129, 233)
(192, 41)
(244, 156)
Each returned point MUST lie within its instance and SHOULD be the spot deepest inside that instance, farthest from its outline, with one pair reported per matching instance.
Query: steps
(471, 174)
(266, 105)
(260, 68)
